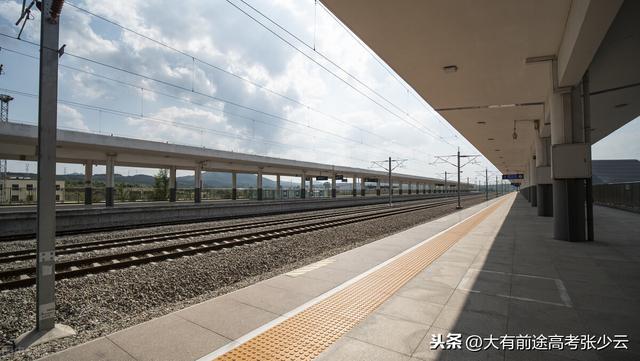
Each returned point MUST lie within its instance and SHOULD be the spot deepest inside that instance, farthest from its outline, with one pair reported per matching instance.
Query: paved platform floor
(504, 276)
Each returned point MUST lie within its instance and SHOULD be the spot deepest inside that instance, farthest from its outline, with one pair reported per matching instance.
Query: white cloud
(71, 119)
(220, 35)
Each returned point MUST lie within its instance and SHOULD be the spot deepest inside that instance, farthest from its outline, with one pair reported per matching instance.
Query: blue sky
(306, 113)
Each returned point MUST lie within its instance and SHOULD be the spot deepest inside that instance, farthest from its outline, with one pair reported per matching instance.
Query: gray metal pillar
(197, 185)
(88, 190)
(303, 185)
(333, 186)
(400, 187)
(46, 328)
(458, 184)
(278, 187)
(234, 186)
(173, 189)
(259, 183)
(486, 183)
(109, 182)
(390, 183)
(568, 194)
(363, 189)
(378, 187)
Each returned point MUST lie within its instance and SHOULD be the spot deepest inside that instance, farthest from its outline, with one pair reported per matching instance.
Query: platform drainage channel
(308, 333)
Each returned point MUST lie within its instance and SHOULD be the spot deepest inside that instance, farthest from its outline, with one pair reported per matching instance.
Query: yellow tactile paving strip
(307, 334)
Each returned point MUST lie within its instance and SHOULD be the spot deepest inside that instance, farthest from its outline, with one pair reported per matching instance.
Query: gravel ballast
(104, 303)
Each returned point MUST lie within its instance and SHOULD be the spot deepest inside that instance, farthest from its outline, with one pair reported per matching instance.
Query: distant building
(17, 190)
(615, 171)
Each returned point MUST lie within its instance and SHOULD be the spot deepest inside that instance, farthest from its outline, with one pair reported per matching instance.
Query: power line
(319, 53)
(172, 122)
(188, 90)
(182, 88)
(388, 70)
(331, 72)
(194, 58)
(186, 100)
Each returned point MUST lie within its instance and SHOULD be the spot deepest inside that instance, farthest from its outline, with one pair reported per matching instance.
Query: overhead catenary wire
(194, 92)
(388, 70)
(219, 99)
(218, 68)
(186, 100)
(337, 76)
(172, 122)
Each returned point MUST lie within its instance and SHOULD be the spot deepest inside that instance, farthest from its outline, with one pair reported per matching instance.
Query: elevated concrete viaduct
(18, 142)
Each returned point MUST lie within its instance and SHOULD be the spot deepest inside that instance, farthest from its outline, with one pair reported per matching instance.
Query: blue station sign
(513, 176)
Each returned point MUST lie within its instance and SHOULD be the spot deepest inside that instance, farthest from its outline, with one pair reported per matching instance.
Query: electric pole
(4, 118)
(389, 165)
(45, 311)
(486, 183)
(445, 159)
(446, 188)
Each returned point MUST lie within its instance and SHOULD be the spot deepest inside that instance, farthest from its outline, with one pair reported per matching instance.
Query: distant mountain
(210, 179)
(615, 171)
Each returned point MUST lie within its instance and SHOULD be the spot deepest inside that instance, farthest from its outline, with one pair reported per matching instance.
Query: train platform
(485, 283)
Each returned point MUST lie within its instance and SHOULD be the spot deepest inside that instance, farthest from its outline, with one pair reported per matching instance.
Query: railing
(74, 194)
(14, 196)
(619, 195)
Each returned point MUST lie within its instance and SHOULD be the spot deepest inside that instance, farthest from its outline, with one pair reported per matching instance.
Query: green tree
(161, 185)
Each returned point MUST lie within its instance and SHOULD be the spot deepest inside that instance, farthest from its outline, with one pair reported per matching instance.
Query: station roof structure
(481, 64)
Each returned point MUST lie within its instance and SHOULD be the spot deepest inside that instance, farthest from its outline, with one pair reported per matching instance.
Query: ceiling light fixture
(450, 69)
(490, 139)
(481, 122)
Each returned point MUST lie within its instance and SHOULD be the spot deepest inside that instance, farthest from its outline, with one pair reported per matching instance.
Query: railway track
(25, 276)
(20, 237)
(26, 254)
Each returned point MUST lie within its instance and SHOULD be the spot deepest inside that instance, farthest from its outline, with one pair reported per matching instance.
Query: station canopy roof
(467, 59)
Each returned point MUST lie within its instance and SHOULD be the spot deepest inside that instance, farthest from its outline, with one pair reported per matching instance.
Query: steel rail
(25, 276)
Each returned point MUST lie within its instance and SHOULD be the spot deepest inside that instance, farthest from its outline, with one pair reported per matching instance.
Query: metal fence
(619, 195)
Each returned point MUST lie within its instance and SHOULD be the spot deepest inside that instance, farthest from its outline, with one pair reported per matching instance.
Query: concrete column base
(378, 192)
(108, 196)
(303, 194)
(400, 191)
(544, 199)
(568, 210)
(259, 194)
(88, 195)
(36, 337)
(363, 192)
(197, 195)
(534, 196)
(234, 194)
(354, 193)
(333, 192)
(172, 194)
